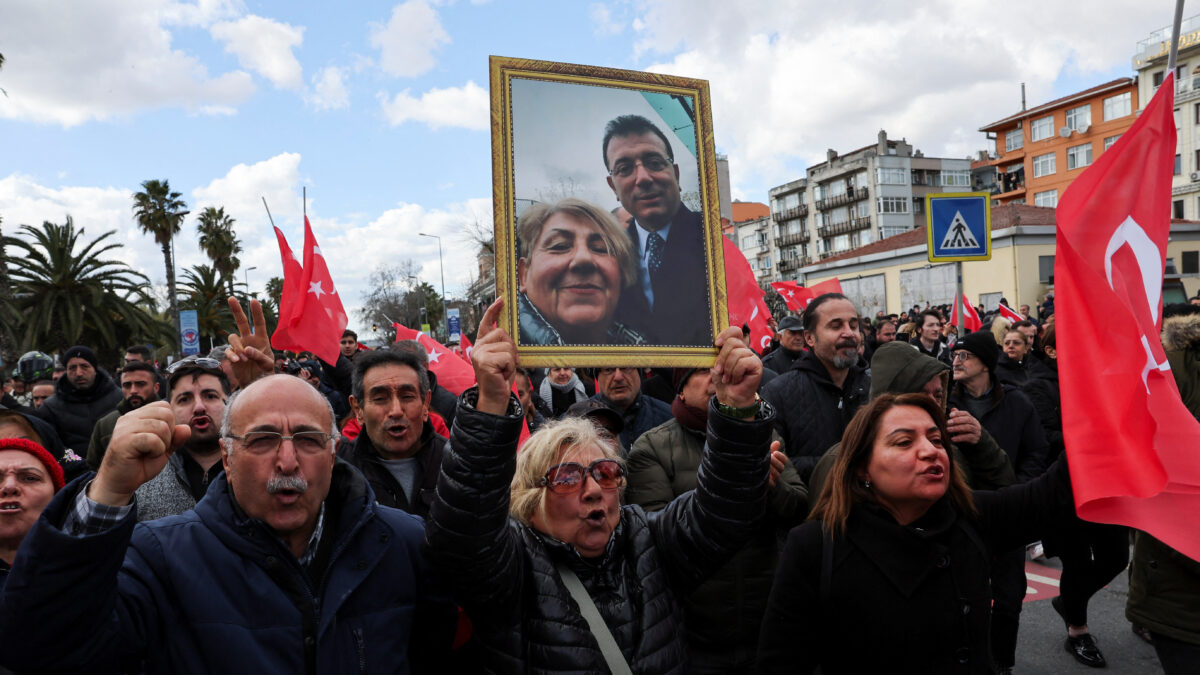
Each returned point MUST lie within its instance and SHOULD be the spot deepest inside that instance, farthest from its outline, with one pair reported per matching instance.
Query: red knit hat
(43, 455)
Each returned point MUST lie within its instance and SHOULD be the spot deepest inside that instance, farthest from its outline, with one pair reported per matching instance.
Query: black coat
(364, 456)
(902, 599)
(73, 412)
(781, 360)
(504, 575)
(681, 313)
(1011, 419)
(812, 412)
(441, 400)
(1020, 374)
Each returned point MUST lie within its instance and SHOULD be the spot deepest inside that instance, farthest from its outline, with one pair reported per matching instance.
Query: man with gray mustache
(815, 399)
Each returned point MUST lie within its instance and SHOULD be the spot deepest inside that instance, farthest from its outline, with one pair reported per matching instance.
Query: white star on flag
(791, 294)
(315, 287)
(434, 355)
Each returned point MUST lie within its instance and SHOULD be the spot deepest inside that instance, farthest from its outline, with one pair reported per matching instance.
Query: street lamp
(421, 314)
(247, 277)
(442, 268)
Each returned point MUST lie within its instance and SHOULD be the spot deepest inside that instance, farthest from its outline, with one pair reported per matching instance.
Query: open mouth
(201, 423)
(397, 430)
(935, 471)
(595, 518)
(10, 506)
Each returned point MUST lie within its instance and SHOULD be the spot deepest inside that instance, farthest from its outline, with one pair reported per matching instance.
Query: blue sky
(380, 109)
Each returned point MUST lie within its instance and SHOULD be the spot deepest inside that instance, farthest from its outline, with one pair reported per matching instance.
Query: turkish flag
(452, 373)
(1008, 313)
(796, 296)
(971, 320)
(292, 271)
(1131, 442)
(745, 298)
(464, 348)
(317, 318)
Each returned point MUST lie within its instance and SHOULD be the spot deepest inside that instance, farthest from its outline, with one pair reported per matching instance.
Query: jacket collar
(904, 554)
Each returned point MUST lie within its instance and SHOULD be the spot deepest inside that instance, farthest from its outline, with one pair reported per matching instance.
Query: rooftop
(743, 211)
(1118, 83)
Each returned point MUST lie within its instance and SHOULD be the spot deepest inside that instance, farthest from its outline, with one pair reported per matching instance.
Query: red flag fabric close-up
(292, 271)
(745, 299)
(452, 372)
(1130, 440)
(796, 296)
(1010, 313)
(971, 320)
(316, 318)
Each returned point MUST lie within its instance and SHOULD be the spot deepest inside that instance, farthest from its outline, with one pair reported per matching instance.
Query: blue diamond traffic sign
(958, 226)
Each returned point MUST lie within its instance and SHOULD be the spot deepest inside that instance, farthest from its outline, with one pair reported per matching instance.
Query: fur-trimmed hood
(1181, 332)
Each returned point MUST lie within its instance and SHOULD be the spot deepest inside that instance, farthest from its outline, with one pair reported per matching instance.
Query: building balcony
(792, 239)
(790, 214)
(793, 264)
(843, 199)
(852, 225)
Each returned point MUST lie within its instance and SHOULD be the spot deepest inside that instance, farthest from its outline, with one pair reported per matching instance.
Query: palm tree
(8, 315)
(219, 242)
(67, 293)
(204, 291)
(159, 212)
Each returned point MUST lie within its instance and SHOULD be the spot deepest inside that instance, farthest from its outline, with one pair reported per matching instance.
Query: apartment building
(1039, 151)
(857, 198)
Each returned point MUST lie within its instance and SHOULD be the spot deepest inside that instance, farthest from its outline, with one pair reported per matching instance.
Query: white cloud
(264, 46)
(408, 41)
(328, 89)
(202, 12)
(602, 17)
(466, 106)
(105, 59)
(242, 189)
(789, 80)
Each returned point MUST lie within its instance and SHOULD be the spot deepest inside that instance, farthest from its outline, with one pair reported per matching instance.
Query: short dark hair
(349, 333)
(139, 366)
(1025, 323)
(142, 351)
(809, 317)
(632, 125)
(930, 312)
(364, 362)
(196, 371)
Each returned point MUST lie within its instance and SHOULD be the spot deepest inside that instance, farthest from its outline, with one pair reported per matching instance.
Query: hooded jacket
(1181, 340)
(504, 572)
(215, 591)
(73, 412)
(813, 411)
(898, 368)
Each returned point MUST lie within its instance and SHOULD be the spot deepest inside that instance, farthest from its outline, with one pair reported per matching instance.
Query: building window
(1044, 165)
(1046, 269)
(1118, 106)
(1079, 118)
(885, 176)
(820, 192)
(1014, 140)
(1108, 142)
(748, 242)
(765, 263)
(1079, 156)
(1191, 262)
(1042, 128)
(893, 205)
(1178, 164)
(1047, 198)
(1157, 78)
(841, 242)
(1177, 209)
(918, 205)
(956, 178)
(863, 209)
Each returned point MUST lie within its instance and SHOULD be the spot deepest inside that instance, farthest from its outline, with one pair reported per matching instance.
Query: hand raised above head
(142, 441)
(495, 360)
(737, 371)
(250, 353)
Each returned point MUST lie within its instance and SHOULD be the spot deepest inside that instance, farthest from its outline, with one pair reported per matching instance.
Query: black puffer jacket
(1011, 419)
(73, 412)
(812, 412)
(364, 456)
(504, 573)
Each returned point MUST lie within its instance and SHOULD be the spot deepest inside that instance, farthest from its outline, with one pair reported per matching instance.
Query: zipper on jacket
(360, 645)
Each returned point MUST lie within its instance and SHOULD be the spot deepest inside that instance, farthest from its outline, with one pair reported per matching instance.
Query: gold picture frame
(571, 132)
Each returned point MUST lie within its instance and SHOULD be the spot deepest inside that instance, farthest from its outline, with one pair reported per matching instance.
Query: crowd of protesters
(866, 481)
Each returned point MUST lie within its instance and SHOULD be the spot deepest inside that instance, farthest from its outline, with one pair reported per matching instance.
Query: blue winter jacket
(214, 591)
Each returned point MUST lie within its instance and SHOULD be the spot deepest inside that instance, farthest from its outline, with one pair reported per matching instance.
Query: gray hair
(231, 404)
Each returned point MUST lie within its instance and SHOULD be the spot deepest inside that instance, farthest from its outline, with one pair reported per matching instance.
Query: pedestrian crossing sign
(958, 226)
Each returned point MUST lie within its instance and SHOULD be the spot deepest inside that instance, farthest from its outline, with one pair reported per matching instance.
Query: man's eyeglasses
(628, 370)
(268, 442)
(194, 362)
(962, 355)
(652, 163)
(569, 477)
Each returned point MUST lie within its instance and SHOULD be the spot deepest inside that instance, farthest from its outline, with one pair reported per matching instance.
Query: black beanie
(80, 352)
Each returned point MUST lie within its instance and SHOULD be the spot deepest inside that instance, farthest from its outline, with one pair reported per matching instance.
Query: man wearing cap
(29, 477)
(1009, 416)
(724, 614)
(791, 345)
(81, 397)
(600, 414)
(621, 390)
(139, 385)
(197, 390)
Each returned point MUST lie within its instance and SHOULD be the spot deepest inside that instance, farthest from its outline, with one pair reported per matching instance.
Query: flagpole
(1175, 37)
(268, 212)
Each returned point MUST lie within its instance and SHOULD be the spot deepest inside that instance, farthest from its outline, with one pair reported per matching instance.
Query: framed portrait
(607, 217)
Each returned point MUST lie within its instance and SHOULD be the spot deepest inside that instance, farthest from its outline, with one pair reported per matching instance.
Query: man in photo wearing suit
(669, 304)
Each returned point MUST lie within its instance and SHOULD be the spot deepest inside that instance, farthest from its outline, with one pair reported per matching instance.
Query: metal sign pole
(958, 298)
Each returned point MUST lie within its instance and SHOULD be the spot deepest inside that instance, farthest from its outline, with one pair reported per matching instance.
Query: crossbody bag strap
(604, 637)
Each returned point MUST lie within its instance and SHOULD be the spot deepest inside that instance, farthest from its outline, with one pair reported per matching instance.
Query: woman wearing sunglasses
(534, 544)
